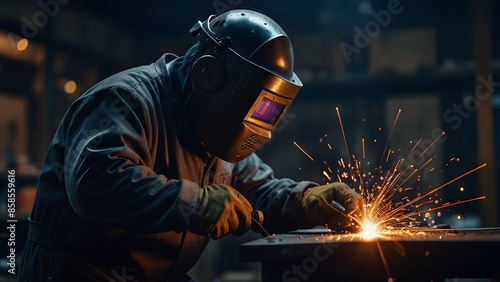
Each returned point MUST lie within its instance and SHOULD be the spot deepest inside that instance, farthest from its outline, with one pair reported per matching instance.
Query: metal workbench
(420, 255)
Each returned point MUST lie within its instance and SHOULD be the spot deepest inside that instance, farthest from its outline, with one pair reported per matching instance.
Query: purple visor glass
(268, 110)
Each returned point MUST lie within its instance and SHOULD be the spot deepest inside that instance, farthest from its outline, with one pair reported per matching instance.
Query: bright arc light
(369, 230)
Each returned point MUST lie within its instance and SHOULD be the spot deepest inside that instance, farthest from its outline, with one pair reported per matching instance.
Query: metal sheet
(423, 254)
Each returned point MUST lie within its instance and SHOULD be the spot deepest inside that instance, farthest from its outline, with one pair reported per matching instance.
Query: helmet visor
(267, 109)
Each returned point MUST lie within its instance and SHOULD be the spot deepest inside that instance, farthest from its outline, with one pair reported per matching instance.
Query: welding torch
(258, 217)
(339, 208)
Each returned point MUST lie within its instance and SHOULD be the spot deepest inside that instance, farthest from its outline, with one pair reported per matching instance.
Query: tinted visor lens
(268, 110)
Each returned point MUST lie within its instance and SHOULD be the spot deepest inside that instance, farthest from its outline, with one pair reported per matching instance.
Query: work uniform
(121, 179)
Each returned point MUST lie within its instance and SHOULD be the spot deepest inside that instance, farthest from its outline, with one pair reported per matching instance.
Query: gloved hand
(315, 204)
(221, 210)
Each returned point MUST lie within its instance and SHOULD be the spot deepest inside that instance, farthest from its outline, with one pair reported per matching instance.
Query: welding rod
(258, 216)
(257, 220)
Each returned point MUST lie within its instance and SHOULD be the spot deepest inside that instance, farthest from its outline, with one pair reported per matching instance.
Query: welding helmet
(243, 83)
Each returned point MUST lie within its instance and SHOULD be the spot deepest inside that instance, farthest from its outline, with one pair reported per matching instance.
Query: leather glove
(221, 210)
(316, 205)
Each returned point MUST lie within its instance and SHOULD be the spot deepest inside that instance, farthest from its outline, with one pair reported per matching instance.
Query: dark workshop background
(432, 65)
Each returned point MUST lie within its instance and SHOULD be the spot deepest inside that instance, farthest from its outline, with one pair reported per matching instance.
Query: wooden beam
(481, 21)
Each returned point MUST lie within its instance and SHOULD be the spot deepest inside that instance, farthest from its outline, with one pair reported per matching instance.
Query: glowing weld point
(369, 230)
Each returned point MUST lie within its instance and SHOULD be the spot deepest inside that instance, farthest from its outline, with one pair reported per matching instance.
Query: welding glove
(221, 210)
(316, 204)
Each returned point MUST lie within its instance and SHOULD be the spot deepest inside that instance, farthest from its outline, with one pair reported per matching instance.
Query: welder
(151, 163)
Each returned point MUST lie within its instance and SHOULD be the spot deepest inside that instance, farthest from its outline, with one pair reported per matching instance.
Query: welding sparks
(382, 216)
(326, 175)
(387, 210)
(382, 212)
(303, 151)
(363, 146)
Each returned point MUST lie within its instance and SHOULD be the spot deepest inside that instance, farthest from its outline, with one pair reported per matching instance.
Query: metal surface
(421, 255)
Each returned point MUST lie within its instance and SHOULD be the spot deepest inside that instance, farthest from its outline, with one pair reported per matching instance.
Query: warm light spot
(459, 217)
(427, 253)
(462, 189)
(70, 87)
(22, 44)
(368, 230)
(282, 63)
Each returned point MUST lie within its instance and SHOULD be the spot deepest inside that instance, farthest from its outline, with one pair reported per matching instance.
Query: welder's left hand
(221, 210)
(316, 205)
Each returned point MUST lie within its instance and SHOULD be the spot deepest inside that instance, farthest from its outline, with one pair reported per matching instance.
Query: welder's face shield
(235, 115)
(242, 115)
(264, 98)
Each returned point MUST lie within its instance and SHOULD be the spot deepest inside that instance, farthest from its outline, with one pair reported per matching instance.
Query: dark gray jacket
(121, 178)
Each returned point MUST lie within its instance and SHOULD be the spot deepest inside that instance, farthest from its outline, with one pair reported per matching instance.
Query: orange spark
(303, 151)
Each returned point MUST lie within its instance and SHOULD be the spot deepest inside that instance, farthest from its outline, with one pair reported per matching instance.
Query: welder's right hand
(221, 210)
(316, 204)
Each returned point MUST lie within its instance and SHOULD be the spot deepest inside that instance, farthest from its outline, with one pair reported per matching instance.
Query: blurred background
(396, 73)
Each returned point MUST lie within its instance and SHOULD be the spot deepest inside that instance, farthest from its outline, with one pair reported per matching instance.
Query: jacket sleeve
(278, 199)
(108, 174)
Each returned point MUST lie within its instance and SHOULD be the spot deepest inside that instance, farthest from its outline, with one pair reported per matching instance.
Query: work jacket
(121, 179)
